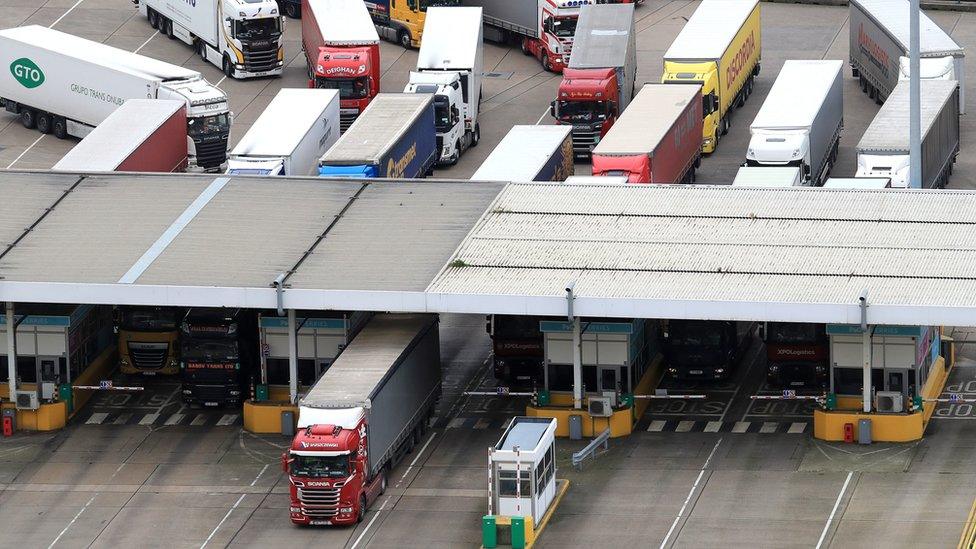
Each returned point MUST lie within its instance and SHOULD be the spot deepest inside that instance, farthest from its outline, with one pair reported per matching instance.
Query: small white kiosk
(522, 469)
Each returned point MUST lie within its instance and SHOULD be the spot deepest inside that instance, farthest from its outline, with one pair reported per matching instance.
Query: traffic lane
(68, 519)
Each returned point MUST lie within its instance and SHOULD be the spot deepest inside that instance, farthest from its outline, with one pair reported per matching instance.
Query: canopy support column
(866, 349)
(292, 358)
(11, 352)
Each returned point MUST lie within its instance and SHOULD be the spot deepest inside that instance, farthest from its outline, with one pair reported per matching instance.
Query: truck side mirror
(611, 107)
(762, 331)
(284, 462)
(412, 4)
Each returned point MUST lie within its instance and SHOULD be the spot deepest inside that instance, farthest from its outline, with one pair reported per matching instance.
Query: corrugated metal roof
(24, 200)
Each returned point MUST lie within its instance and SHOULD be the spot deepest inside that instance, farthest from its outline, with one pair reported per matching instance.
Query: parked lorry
(858, 183)
(771, 177)
(403, 22)
(148, 340)
(395, 138)
(342, 52)
(799, 123)
(598, 84)
(242, 37)
(290, 135)
(705, 349)
(656, 139)
(884, 149)
(517, 352)
(66, 85)
(719, 49)
(218, 350)
(530, 153)
(543, 28)
(143, 135)
(797, 354)
(879, 41)
(596, 180)
(366, 411)
(450, 67)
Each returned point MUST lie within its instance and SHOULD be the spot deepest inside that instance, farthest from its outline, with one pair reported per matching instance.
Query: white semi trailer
(66, 85)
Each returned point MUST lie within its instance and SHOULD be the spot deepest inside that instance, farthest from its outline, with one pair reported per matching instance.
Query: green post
(543, 398)
(489, 533)
(66, 395)
(261, 393)
(917, 401)
(518, 532)
(831, 403)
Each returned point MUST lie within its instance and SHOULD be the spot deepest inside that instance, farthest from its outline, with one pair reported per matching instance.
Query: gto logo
(27, 73)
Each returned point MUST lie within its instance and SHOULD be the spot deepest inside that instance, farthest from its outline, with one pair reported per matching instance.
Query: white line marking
(691, 492)
(797, 428)
(122, 419)
(21, 155)
(768, 427)
(482, 424)
(65, 14)
(416, 458)
(72, 520)
(146, 42)
(174, 419)
(545, 114)
(227, 419)
(840, 496)
(740, 426)
(657, 426)
(221, 523)
(220, 81)
(371, 521)
(684, 426)
(148, 419)
(201, 419)
(713, 426)
(96, 418)
(263, 469)
(456, 423)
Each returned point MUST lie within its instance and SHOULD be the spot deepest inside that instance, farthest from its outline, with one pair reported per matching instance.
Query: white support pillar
(11, 352)
(577, 365)
(292, 357)
(866, 349)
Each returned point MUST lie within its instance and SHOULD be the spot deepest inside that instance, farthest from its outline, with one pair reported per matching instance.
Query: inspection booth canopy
(522, 469)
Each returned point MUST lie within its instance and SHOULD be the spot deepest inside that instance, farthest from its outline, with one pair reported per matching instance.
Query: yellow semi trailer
(719, 48)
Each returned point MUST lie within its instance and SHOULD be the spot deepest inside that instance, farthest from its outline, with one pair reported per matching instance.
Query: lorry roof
(797, 94)
(525, 433)
(892, 15)
(603, 36)
(766, 176)
(378, 128)
(117, 136)
(344, 22)
(647, 119)
(446, 43)
(275, 133)
(363, 365)
(67, 45)
(889, 129)
(857, 183)
(522, 153)
(711, 29)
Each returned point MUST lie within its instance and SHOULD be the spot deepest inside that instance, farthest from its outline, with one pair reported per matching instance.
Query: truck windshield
(442, 114)
(564, 27)
(149, 320)
(793, 332)
(207, 125)
(210, 350)
(695, 334)
(516, 327)
(320, 466)
(582, 111)
(256, 29)
(349, 88)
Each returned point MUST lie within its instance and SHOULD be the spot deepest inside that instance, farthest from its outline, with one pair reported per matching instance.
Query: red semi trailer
(657, 139)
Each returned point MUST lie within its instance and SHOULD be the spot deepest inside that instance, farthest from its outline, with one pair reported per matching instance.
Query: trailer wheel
(476, 136)
(153, 18)
(291, 10)
(43, 122)
(383, 482)
(28, 117)
(202, 49)
(362, 509)
(60, 128)
(855, 73)
(168, 28)
(403, 37)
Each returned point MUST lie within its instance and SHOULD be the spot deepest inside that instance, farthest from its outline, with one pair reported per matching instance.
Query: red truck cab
(587, 101)
(797, 354)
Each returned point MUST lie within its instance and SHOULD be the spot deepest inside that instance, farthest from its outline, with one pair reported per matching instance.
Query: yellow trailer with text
(720, 49)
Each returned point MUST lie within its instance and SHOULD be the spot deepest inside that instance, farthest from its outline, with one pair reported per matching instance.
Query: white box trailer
(293, 132)
(858, 183)
(883, 149)
(68, 85)
(530, 153)
(799, 124)
(748, 176)
(879, 38)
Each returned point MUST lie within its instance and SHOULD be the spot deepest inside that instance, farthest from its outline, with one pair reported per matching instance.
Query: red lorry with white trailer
(142, 135)
(367, 410)
(342, 52)
(654, 141)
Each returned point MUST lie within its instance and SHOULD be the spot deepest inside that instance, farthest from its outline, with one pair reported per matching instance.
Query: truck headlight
(719, 370)
(295, 509)
(796, 153)
(124, 361)
(187, 392)
(234, 393)
(773, 369)
(345, 509)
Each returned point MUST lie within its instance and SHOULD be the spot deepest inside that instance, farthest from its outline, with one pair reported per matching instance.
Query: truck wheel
(477, 135)
(60, 127)
(362, 509)
(291, 10)
(228, 67)
(43, 122)
(383, 483)
(153, 18)
(525, 47)
(28, 118)
(202, 49)
(863, 83)
(168, 28)
(404, 39)
(546, 63)
(726, 125)
(855, 73)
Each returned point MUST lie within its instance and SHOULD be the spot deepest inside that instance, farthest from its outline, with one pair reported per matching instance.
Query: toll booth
(522, 469)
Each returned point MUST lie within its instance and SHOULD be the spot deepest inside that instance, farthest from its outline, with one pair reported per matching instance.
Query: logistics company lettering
(398, 168)
(741, 58)
(875, 53)
(27, 73)
(346, 70)
(97, 95)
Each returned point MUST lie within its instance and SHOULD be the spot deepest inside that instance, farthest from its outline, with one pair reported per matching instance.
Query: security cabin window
(850, 381)
(544, 471)
(507, 483)
(560, 377)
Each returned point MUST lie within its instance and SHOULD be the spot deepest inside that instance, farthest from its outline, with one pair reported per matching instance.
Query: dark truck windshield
(207, 125)
(794, 332)
(320, 466)
(516, 327)
(149, 320)
(442, 114)
(210, 350)
(349, 88)
(564, 27)
(695, 334)
(582, 111)
(256, 29)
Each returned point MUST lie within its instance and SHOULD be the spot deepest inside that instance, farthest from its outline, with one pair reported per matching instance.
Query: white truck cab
(894, 167)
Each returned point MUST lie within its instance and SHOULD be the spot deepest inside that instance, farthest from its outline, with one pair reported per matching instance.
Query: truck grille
(148, 356)
(320, 502)
(258, 59)
(584, 139)
(210, 393)
(567, 51)
(211, 154)
(346, 118)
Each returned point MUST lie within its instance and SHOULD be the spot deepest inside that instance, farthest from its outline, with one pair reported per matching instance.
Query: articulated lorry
(799, 123)
(148, 340)
(705, 349)
(66, 85)
(773, 177)
(544, 28)
(403, 21)
(879, 48)
(797, 354)
(218, 353)
(367, 410)
(719, 49)
(656, 140)
(884, 149)
(242, 37)
(598, 84)
(143, 135)
(394, 138)
(530, 153)
(342, 52)
(292, 133)
(450, 67)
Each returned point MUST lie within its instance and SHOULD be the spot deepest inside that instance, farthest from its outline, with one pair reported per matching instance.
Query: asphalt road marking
(21, 155)
(199, 420)
(148, 419)
(90, 500)
(65, 14)
(830, 519)
(681, 512)
(738, 427)
(96, 418)
(174, 419)
(371, 521)
(227, 419)
(221, 523)
(146, 42)
(416, 458)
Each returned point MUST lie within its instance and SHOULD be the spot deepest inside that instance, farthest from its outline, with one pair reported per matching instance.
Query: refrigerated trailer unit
(799, 124)
(143, 135)
(884, 149)
(748, 176)
(543, 28)
(530, 153)
(242, 37)
(67, 85)
(293, 132)
(879, 39)
(655, 140)
(720, 49)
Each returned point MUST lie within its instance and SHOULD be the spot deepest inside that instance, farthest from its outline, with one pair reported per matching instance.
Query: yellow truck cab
(148, 340)
(720, 49)
(402, 21)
